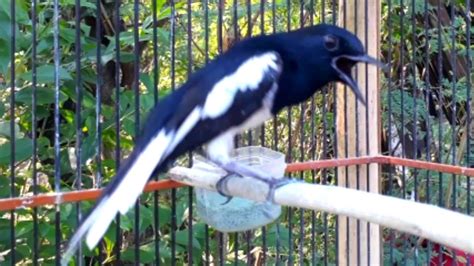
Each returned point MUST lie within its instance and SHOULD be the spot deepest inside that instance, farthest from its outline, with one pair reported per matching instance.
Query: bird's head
(343, 50)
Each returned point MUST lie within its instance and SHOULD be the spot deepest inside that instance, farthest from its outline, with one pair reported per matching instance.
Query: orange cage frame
(91, 194)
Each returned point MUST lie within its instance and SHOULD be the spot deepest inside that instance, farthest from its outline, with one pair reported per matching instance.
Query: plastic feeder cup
(240, 214)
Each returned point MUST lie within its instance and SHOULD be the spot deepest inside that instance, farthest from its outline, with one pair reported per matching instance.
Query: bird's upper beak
(343, 65)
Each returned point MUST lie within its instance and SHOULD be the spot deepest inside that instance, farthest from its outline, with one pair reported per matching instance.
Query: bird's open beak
(343, 65)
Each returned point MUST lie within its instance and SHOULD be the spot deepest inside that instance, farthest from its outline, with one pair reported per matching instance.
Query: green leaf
(21, 11)
(4, 192)
(146, 218)
(24, 250)
(45, 74)
(88, 148)
(65, 162)
(159, 4)
(5, 130)
(48, 252)
(111, 235)
(147, 80)
(282, 236)
(147, 102)
(88, 100)
(23, 228)
(165, 214)
(182, 239)
(23, 150)
(67, 34)
(126, 221)
(147, 253)
(44, 95)
(82, 3)
(45, 44)
(199, 230)
(126, 57)
(5, 50)
(5, 24)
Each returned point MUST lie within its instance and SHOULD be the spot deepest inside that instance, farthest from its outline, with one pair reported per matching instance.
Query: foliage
(91, 144)
(426, 103)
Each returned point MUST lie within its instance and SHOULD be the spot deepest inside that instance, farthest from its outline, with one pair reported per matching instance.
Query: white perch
(440, 225)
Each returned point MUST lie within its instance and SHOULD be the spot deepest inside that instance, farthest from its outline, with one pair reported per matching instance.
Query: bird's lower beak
(343, 65)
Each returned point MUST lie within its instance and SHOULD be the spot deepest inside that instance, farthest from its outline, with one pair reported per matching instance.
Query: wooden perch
(439, 225)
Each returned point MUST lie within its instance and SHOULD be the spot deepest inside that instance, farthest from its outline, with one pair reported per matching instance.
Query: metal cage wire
(147, 48)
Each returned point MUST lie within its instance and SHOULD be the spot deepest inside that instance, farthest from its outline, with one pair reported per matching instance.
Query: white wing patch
(247, 77)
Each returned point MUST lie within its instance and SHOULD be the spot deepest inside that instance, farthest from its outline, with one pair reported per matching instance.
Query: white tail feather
(137, 176)
(131, 185)
(83, 229)
(120, 200)
(106, 212)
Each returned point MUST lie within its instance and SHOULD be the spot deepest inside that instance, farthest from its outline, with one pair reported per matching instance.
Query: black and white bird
(238, 90)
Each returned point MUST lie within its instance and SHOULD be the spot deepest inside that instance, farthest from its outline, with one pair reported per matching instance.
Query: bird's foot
(221, 186)
(276, 183)
(235, 169)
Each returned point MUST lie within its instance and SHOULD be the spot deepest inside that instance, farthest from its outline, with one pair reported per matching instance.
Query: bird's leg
(222, 184)
(239, 169)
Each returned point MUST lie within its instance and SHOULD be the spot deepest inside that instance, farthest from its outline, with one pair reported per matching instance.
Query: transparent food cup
(240, 214)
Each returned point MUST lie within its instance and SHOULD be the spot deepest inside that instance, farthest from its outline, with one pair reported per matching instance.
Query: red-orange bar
(313, 165)
(91, 194)
(380, 159)
(74, 196)
(438, 167)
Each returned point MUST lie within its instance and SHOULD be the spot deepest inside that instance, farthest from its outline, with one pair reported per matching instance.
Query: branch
(439, 225)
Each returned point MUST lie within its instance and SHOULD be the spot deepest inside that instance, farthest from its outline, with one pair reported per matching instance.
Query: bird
(238, 90)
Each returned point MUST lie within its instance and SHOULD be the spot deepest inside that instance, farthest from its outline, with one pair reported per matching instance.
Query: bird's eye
(331, 42)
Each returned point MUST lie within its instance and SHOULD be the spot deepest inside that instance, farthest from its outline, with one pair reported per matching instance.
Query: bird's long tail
(122, 192)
